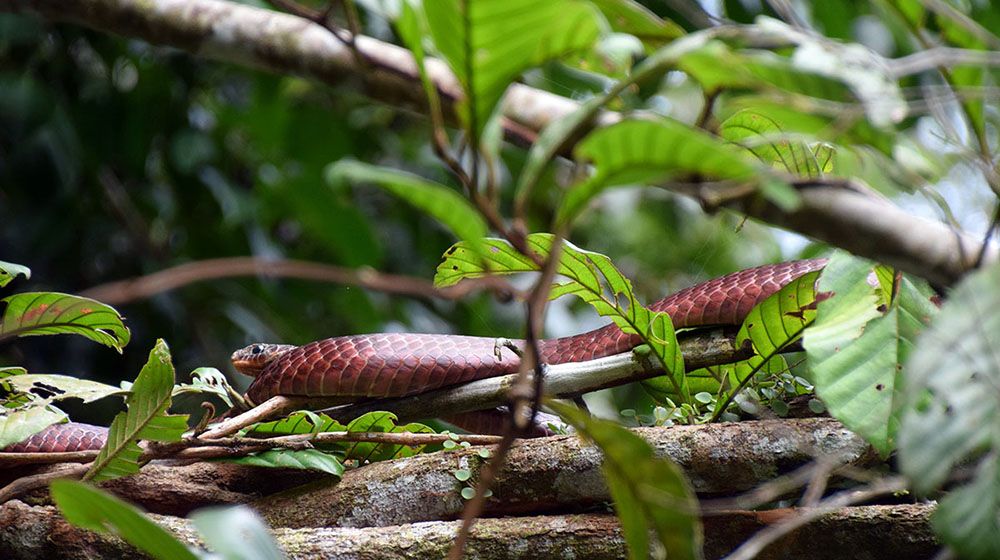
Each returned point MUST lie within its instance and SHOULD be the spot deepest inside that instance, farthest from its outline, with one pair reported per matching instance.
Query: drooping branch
(287, 44)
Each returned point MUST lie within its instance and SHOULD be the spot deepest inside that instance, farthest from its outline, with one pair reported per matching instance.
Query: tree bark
(561, 473)
(870, 532)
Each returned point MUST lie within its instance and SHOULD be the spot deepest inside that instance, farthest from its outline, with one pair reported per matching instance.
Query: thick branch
(699, 348)
(561, 473)
(290, 45)
(885, 532)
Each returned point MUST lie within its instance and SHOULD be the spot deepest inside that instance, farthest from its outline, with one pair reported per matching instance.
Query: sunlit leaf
(38, 313)
(93, 509)
(474, 37)
(592, 278)
(856, 349)
(628, 16)
(651, 494)
(635, 152)
(10, 271)
(207, 380)
(45, 388)
(298, 422)
(146, 419)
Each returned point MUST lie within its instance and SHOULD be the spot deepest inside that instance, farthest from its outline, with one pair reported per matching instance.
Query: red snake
(401, 364)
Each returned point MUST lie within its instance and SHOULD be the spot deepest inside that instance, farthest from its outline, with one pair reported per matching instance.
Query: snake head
(251, 360)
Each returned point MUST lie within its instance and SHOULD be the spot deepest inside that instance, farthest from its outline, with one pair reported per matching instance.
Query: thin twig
(143, 287)
(28, 483)
(752, 547)
(522, 393)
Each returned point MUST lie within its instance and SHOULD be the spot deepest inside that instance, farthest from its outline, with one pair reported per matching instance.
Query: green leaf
(474, 37)
(381, 422)
(856, 353)
(645, 151)
(436, 200)
(90, 508)
(207, 380)
(627, 16)
(46, 388)
(764, 138)
(592, 278)
(771, 326)
(305, 459)
(9, 271)
(966, 518)
(716, 66)
(236, 533)
(146, 418)
(38, 313)
(650, 493)
(298, 422)
(19, 425)
(949, 414)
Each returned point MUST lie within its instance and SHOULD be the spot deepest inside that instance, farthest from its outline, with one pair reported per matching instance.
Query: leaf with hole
(10, 271)
(856, 349)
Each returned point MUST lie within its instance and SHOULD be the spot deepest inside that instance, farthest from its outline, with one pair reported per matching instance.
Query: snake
(383, 365)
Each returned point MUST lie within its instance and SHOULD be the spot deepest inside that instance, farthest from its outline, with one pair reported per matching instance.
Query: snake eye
(256, 349)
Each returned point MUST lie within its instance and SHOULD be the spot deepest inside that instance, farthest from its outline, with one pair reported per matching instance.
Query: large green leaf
(236, 533)
(951, 416)
(644, 151)
(146, 418)
(18, 425)
(475, 37)
(10, 271)
(436, 200)
(93, 509)
(651, 494)
(948, 411)
(38, 313)
(592, 278)
(716, 66)
(856, 350)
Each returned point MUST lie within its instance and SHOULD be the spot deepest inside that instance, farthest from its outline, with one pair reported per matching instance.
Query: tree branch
(287, 44)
